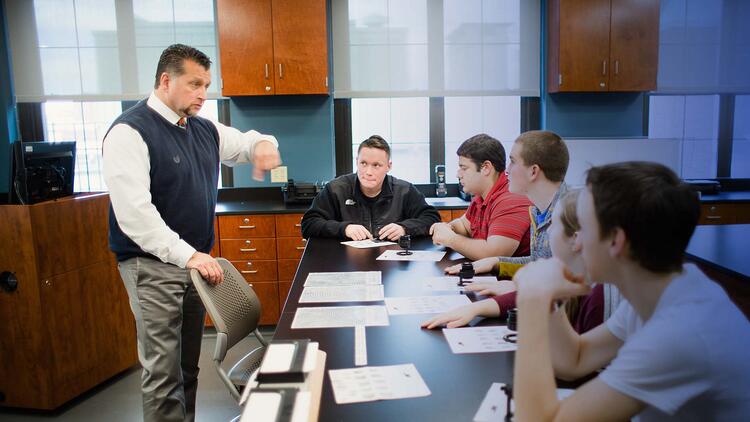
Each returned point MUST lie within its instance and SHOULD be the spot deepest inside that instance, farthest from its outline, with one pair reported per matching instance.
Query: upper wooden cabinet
(272, 47)
(602, 45)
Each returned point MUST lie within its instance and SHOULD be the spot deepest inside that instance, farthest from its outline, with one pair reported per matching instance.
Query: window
(86, 123)
(741, 141)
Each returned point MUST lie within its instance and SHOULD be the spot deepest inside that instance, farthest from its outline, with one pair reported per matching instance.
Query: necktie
(182, 122)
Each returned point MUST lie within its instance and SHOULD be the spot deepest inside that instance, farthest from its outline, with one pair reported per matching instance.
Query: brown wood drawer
(287, 269)
(284, 287)
(289, 225)
(717, 214)
(457, 214)
(742, 212)
(248, 249)
(445, 216)
(216, 250)
(257, 270)
(244, 226)
(268, 293)
(290, 247)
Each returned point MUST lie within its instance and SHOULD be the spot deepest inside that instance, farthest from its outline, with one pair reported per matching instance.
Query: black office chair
(235, 310)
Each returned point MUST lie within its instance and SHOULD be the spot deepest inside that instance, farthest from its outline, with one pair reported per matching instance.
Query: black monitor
(41, 171)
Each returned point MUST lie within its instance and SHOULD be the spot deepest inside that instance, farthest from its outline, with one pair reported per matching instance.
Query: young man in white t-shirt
(677, 349)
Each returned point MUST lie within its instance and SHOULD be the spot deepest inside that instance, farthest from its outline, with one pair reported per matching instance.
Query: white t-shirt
(691, 360)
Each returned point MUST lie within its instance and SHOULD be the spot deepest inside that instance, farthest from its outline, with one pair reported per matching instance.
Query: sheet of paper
(344, 278)
(340, 316)
(315, 294)
(494, 407)
(392, 255)
(478, 339)
(370, 383)
(367, 243)
(424, 304)
(360, 346)
(455, 256)
(449, 283)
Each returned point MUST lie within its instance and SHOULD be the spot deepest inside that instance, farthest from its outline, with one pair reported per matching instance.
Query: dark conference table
(458, 383)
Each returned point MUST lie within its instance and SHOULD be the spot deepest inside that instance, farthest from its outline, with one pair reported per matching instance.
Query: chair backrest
(232, 304)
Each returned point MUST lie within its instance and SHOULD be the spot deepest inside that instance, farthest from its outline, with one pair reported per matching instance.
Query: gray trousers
(169, 319)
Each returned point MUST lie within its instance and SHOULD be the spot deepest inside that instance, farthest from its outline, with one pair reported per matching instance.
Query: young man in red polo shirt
(497, 221)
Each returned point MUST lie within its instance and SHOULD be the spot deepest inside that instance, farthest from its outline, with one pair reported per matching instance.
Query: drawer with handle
(248, 249)
(257, 270)
(290, 247)
(244, 226)
(289, 225)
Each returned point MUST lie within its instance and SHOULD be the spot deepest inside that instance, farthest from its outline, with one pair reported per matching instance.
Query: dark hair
(375, 141)
(173, 57)
(481, 148)
(547, 150)
(656, 210)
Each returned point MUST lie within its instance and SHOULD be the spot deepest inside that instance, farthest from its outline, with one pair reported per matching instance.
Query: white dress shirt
(126, 173)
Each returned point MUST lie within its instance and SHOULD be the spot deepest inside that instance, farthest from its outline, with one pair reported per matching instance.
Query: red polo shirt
(501, 213)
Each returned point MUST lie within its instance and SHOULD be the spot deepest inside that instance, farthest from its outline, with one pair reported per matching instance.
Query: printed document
(478, 339)
(370, 383)
(314, 294)
(424, 304)
(344, 278)
(368, 243)
(392, 255)
(340, 316)
(449, 283)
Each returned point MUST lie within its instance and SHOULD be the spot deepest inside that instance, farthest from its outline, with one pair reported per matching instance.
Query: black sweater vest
(184, 176)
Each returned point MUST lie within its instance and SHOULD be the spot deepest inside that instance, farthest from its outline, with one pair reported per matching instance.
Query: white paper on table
(370, 383)
(360, 346)
(478, 339)
(424, 304)
(315, 294)
(344, 278)
(340, 316)
(449, 283)
(494, 406)
(392, 255)
(367, 243)
(455, 256)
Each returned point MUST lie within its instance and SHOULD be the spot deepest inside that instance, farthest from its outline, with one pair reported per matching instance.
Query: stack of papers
(340, 316)
(372, 383)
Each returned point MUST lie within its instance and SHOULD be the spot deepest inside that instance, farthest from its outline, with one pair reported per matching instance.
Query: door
(300, 45)
(634, 50)
(584, 45)
(245, 47)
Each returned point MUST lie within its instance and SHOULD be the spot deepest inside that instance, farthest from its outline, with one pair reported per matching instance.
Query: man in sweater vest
(161, 165)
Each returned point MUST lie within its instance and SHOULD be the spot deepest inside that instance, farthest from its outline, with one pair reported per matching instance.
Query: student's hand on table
(491, 288)
(392, 232)
(208, 267)
(265, 157)
(441, 233)
(357, 232)
(551, 279)
(483, 265)
(457, 317)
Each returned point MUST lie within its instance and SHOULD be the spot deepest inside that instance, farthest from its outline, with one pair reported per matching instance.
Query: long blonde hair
(569, 220)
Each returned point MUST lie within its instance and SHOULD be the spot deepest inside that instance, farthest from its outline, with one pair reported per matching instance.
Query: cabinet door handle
(247, 227)
(298, 225)
(248, 249)
(281, 71)
(617, 67)
(713, 217)
(604, 68)
(300, 248)
(249, 272)
(266, 67)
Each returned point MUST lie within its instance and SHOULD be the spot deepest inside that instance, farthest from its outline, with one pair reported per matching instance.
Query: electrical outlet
(278, 175)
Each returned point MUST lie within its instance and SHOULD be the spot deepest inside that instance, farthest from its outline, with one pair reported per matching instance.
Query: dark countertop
(739, 196)
(723, 247)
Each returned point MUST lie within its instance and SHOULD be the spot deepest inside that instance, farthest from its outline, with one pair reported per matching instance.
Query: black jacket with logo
(341, 203)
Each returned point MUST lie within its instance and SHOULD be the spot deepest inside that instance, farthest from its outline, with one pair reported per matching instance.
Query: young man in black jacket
(369, 203)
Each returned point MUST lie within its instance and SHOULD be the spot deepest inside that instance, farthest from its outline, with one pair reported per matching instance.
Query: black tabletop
(724, 247)
(458, 383)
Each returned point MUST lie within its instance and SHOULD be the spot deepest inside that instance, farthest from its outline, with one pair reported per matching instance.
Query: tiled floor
(119, 399)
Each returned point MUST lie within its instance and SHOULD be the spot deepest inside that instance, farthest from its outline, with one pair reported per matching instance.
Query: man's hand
(454, 318)
(265, 157)
(208, 267)
(357, 232)
(442, 233)
(549, 279)
(491, 288)
(483, 265)
(391, 232)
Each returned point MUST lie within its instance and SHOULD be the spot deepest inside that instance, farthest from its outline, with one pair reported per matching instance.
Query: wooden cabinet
(725, 213)
(602, 45)
(445, 216)
(457, 214)
(291, 245)
(272, 47)
(68, 326)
